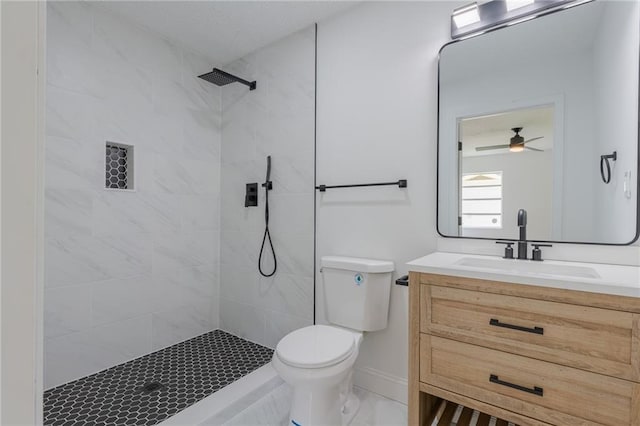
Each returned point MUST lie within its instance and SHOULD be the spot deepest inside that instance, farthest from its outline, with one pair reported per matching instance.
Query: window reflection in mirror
(481, 203)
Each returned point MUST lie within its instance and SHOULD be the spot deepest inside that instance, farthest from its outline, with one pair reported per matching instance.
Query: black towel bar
(402, 183)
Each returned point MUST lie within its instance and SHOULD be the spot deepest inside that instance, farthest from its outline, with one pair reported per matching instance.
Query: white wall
(527, 183)
(616, 89)
(276, 119)
(21, 225)
(377, 112)
(126, 272)
(377, 109)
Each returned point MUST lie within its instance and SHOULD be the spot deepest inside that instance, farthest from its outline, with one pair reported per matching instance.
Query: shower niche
(118, 166)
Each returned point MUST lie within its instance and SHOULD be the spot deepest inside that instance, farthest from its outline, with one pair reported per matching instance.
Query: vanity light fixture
(517, 4)
(466, 15)
(521, 20)
(479, 17)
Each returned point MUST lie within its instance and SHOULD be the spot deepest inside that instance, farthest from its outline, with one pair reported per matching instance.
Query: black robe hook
(604, 162)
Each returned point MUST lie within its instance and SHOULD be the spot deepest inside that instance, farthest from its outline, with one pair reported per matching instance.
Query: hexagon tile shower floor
(150, 389)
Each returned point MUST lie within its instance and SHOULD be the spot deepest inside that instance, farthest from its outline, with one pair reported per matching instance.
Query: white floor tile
(273, 409)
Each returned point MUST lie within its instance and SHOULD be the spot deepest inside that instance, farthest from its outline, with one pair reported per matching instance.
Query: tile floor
(273, 410)
(188, 372)
(184, 374)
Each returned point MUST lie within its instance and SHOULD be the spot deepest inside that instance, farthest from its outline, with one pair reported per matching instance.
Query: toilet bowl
(317, 362)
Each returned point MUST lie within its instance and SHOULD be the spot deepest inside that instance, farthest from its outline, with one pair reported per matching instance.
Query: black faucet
(522, 241)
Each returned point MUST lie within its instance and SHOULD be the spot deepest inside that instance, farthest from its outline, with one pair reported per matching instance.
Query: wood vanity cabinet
(527, 354)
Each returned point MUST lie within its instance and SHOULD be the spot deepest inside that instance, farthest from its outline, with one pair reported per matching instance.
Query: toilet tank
(356, 291)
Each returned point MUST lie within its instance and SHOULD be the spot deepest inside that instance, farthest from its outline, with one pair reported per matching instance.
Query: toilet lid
(315, 346)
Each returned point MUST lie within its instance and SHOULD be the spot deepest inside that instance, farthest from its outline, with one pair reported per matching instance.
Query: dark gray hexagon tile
(189, 372)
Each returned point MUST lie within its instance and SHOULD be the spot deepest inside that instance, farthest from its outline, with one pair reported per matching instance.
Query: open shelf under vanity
(448, 413)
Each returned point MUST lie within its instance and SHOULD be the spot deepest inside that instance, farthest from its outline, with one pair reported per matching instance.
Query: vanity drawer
(594, 339)
(538, 389)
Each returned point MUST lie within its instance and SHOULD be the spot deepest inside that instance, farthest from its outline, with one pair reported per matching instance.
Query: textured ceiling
(224, 31)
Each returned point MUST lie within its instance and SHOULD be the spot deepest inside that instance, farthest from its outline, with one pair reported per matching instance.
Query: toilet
(317, 361)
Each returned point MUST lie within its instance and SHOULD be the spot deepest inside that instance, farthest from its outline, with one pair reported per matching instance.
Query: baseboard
(385, 384)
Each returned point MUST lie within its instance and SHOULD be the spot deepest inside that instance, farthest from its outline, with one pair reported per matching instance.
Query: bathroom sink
(529, 267)
(591, 277)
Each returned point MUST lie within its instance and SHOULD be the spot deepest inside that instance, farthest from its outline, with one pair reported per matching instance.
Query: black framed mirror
(530, 116)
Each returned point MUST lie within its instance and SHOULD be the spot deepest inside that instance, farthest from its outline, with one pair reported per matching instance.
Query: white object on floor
(317, 361)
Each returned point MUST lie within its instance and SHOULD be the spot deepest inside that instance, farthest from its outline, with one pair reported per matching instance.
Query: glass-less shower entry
(150, 389)
(151, 262)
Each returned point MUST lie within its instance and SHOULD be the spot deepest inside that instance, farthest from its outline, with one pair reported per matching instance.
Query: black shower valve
(251, 195)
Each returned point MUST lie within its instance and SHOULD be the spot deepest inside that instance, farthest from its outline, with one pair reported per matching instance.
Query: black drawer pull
(536, 390)
(535, 330)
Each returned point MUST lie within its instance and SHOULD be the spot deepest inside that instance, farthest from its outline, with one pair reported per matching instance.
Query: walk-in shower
(152, 297)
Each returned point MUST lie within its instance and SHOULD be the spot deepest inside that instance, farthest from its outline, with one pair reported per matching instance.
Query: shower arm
(251, 84)
(222, 78)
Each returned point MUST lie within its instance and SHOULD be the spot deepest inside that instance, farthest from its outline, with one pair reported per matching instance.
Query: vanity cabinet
(526, 354)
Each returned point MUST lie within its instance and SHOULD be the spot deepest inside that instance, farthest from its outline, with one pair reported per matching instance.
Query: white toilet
(317, 361)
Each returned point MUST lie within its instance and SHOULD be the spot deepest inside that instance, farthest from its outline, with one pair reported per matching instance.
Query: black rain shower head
(222, 78)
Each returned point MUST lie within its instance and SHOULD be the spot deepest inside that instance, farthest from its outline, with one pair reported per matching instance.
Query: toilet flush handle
(403, 280)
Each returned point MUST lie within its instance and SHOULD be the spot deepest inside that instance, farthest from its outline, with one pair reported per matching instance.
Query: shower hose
(267, 234)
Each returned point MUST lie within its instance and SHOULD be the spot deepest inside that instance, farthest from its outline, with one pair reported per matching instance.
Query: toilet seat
(316, 346)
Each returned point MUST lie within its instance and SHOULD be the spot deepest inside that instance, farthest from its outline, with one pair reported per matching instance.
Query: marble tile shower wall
(126, 272)
(276, 119)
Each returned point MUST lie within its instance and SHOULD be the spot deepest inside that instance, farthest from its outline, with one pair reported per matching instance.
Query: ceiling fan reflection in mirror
(516, 143)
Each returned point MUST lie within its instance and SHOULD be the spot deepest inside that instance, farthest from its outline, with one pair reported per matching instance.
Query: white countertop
(591, 277)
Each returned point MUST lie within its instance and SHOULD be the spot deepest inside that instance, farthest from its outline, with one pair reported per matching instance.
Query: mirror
(525, 114)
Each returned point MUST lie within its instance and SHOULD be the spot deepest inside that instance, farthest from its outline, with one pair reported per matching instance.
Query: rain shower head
(222, 78)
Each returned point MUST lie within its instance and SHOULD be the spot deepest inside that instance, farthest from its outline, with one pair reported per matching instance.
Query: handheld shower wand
(267, 183)
(268, 186)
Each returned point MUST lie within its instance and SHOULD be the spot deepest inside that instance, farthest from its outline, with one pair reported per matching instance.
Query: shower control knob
(251, 195)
